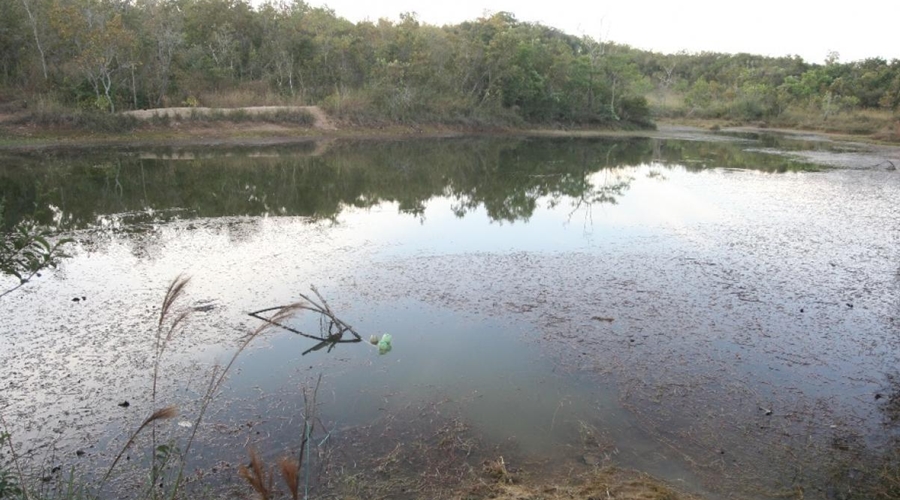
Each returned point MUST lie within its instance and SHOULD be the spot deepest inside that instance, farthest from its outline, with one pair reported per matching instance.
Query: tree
(164, 23)
(101, 44)
(12, 41)
(37, 39)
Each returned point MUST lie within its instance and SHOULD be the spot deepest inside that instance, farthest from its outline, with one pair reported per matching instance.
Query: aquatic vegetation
(168, 461)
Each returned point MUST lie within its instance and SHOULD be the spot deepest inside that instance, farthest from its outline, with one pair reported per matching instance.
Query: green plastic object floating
(384, 345)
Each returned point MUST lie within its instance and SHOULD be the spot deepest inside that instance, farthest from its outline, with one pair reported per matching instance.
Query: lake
(719, 311)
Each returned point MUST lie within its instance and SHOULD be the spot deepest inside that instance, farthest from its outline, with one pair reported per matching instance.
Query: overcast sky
(810, 29)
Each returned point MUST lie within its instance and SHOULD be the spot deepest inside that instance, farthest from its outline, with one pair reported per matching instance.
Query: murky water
(722, 314)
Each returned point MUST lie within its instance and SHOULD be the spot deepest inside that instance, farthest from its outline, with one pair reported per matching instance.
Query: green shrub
(9, 483)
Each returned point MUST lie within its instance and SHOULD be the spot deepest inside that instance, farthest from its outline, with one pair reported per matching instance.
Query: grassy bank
(49, 118)
(870, 124)
(235, 114)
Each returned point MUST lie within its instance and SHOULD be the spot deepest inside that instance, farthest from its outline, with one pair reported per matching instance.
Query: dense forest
(113, 55)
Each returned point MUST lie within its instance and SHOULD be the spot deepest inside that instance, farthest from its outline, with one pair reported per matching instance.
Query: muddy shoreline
(856, 155)
(185, 134)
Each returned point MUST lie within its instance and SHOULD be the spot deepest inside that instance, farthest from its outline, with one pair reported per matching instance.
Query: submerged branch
(329, 336)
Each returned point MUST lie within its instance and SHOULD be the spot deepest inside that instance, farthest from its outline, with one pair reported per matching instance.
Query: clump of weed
(608, 482)
(52, 115)
(9, 481)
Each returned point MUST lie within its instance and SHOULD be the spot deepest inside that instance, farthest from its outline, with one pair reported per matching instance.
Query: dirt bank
(192, 130)
(322, 122)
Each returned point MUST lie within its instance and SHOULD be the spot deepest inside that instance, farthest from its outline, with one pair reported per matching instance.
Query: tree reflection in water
(132, 190)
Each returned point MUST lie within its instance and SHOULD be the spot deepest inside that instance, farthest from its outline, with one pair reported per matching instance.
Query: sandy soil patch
(321, 118)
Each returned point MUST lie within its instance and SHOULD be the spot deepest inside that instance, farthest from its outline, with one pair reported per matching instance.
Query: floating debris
(384, 345)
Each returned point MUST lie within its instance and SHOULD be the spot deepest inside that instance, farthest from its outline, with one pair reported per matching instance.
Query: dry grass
(666, 104)
(263, 482)
(290, 472)
(303, 116)
(879, 124)
(889, 133)
(606, 483)
(46, 113)
(888, 484)
(171, 323)
(498, 471)
(248, 95)
(854, 122)
(257, 477)
(430, 452)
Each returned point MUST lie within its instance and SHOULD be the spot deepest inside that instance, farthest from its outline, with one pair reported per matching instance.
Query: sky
(810, 29)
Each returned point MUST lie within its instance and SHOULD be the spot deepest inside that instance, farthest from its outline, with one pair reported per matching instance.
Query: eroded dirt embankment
(192, 130)
(322, 122)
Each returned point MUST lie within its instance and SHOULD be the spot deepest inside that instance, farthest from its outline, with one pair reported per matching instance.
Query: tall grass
(47, 113)
(853, 122)
(286, 116)
(289, 116)
(247, 95)
(880, 124)
(167, 460)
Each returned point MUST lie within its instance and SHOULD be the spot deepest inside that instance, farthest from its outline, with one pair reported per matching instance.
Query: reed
(166, 413)
(171, 323)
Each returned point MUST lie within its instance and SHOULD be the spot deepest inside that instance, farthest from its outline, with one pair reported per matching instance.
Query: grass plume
(176, 290)
(166, 413)
(257, 477)
(290, 472)
(217, 377)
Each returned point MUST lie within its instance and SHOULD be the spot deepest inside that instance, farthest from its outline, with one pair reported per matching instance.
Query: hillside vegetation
(104, 56)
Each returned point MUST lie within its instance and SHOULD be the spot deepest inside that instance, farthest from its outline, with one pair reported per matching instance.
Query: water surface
(720, 314)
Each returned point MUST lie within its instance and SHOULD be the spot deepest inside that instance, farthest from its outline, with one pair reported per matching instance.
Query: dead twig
(889, 162)
(333, 328)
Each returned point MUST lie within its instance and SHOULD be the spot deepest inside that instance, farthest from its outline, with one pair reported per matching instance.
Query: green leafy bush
(25, 250)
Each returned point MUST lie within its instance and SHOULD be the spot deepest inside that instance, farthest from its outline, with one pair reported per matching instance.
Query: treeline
(113, 55)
